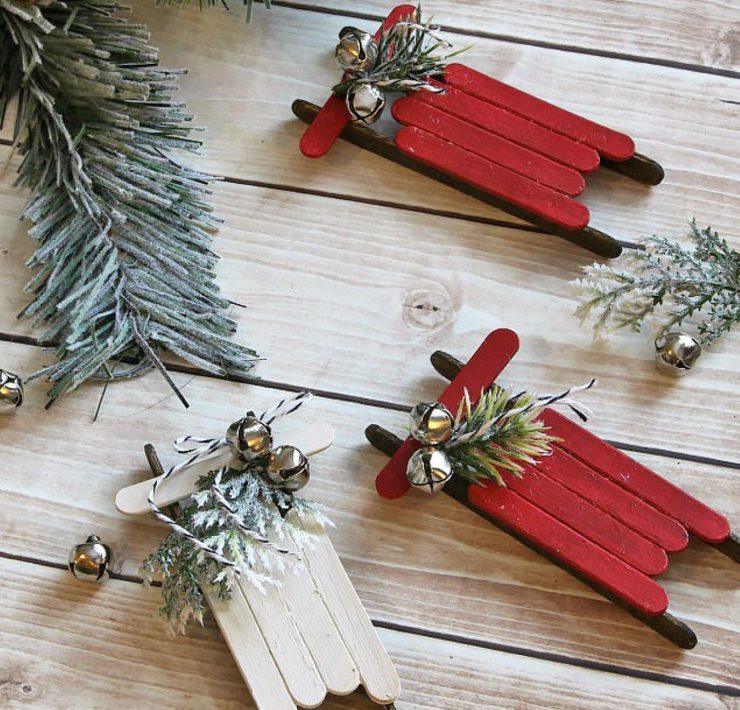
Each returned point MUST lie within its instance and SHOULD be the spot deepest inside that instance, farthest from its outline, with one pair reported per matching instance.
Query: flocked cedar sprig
(124, 265)
(238, 519)
(502, 431)
(676, 284)
(410, 53)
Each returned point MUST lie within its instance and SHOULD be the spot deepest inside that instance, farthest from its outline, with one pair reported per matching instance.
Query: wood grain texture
(703, 33)
(356, 301)
(411, 561)
(133, 664)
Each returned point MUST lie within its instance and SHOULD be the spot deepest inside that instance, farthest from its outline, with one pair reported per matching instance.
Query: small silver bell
(288, 468)
(356, 51)
(365, 103)
(249, 438)
(429, 469)
(11, 392)
(432, 424)
(89, 561)
(676, 353)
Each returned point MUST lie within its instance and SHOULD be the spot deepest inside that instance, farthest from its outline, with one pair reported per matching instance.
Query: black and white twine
(204, 448)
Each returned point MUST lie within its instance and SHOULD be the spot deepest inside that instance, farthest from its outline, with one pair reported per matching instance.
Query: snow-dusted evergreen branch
(674, 283)
(124, 265)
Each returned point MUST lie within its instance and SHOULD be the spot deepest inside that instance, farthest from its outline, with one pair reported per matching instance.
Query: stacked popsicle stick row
(308, 637)
(588, 507)
(495, 142)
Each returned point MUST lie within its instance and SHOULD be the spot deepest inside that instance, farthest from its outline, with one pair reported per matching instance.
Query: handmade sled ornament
(492, 141)
(588, 507)
(308, 637)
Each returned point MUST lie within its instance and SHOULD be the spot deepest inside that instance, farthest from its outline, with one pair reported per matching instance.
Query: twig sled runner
(494, 142)
(587, 507)
(308, 637)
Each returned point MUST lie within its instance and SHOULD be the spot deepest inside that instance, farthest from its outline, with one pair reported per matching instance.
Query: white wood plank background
(354, 270)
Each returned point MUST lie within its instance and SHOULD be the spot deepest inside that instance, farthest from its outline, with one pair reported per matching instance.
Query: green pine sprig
(409, 54)
(498, 434)
(185, 568)
(124, 267)
(676, 284)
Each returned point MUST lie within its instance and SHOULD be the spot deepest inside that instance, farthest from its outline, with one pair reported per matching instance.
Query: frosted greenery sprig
(502, 431)
(233, 512)
(676, 284)
(409, 54)
(124, 265)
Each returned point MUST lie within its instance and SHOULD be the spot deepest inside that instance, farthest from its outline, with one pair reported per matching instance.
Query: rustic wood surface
(354, 271)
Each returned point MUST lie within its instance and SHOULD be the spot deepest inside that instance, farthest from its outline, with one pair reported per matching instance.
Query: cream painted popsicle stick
(288, 649)
(310, 438)
(313, 620)
(250, 651)
(377, 673)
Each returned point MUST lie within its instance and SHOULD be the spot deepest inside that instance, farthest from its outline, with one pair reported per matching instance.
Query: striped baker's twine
(564, 398)
(207, 447)
(239, 522)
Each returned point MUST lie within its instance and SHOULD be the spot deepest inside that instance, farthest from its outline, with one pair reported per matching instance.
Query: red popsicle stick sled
(495, 142)
(588, 507)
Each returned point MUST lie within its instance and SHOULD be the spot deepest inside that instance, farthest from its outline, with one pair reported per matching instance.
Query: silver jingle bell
(249, 438)
(11, 391)
(429, 468)
(288, 468)
(676, 353)
(365, 103)
(356, 51)
(432, 424)
(89, 560)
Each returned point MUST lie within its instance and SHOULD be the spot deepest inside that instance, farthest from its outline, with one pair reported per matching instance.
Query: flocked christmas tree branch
(124, 265)
(674, 283)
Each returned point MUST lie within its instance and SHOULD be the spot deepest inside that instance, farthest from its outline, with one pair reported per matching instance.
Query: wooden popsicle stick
(523, 131)
(492, 177)
(665, 624)
(589, 238)
(243, 636)
(250, 651)
(377, 673)
(490, 146)
(485, 365)
(310, 438)
(312, 618)
(615, 500)
(698, 518)
(560, 540)
(610, 143)
(323, 133)
(286, 644)
(582, 516)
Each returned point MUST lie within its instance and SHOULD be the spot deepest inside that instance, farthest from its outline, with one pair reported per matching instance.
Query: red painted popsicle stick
(531, 135)
(322, 133)
(588, 520)
(488, 361)
(493, 178)
(615, 500)
(611, 144)
(563, 543)
(489, 146)
(701, 520)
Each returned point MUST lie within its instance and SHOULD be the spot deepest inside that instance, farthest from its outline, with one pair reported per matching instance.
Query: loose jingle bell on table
(90, 560)
(11, 391)
(676, 353)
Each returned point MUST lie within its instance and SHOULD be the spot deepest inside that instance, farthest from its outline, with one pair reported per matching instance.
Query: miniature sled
(587, 507)
(310, 637)
(495, 142)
